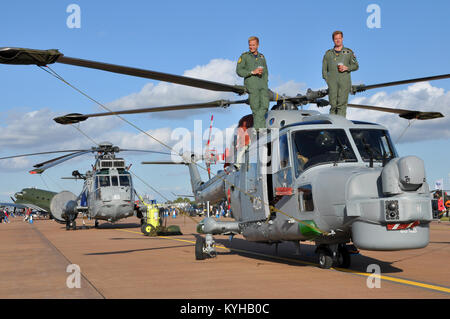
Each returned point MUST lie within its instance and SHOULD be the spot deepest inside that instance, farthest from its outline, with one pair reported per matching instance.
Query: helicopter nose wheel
(204, 247)
(71, 225)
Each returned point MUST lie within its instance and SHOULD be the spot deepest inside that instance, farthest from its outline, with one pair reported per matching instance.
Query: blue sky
(180, 36)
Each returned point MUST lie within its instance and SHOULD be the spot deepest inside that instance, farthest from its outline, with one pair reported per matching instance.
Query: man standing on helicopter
(336, 67)
(253, 68)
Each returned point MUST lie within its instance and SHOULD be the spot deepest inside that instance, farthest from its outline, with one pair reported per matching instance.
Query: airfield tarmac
(117, 261)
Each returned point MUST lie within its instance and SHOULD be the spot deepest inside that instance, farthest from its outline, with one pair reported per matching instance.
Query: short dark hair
(337, 32)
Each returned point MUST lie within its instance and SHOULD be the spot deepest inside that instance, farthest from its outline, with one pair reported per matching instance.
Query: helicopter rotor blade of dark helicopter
(60, 157)
(163, 163)
(154, 75)
(41, 167)
(362, 87)
(76, 117)
(41, 153)
(406, 114)
(145, 151)
(44, 57)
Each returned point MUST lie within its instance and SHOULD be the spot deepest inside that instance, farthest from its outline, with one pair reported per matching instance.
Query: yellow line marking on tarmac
(398, 280)
(383, 277)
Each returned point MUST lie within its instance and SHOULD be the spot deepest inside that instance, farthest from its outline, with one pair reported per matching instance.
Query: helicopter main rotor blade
(406, 114)
(41, 153)
(41, 167)
(44, 57)
(76, 117)
(145, 151)
(164, 163)
(154, 75)
(362, 87)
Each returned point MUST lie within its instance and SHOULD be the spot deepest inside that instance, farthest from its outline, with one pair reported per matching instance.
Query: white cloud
(420, 97)
(290, 88)
(35, 131)
(15, 164)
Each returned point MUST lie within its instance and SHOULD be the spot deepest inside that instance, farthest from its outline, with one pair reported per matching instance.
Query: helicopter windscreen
(103, 181)
(314, 147)
(124, 180)
(114, 181)
(375, 144)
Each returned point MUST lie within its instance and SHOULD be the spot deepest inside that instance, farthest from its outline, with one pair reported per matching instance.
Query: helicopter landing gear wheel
(71, 225)
(148, 230)
(325, 258)
(205, 247)
(96, 224)
(200, 247)
(343, 259)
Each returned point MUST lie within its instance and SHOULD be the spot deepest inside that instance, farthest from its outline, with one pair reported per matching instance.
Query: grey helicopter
(309, 177)
(108, 193)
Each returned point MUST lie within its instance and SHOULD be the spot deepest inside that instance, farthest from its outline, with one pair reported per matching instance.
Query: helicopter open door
(253, 180)
(281, 167)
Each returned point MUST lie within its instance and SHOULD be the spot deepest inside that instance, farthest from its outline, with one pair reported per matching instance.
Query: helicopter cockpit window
(284, 151)
(314, 147)
(103, 181)
(374, 144)
(114, 181)
(124, 180)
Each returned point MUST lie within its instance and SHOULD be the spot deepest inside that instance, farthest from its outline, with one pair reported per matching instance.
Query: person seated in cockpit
(302, 160)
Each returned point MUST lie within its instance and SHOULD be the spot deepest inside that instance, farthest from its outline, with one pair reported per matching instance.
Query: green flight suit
(339, 83)
(257, 86)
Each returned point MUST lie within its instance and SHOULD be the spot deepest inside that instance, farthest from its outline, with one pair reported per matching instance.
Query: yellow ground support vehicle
(152, 220)
(153, 225)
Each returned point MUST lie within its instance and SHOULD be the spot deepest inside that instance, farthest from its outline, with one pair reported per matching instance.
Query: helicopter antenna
(209, 154)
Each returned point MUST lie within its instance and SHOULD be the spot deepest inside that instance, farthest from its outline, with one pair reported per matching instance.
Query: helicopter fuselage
(322, 178)
(108, 195)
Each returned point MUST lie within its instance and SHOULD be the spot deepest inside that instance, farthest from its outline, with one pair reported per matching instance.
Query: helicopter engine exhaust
(63, 206)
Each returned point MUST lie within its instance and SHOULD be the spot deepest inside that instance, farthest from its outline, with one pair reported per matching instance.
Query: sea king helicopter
(309, 177)
(108, 193)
